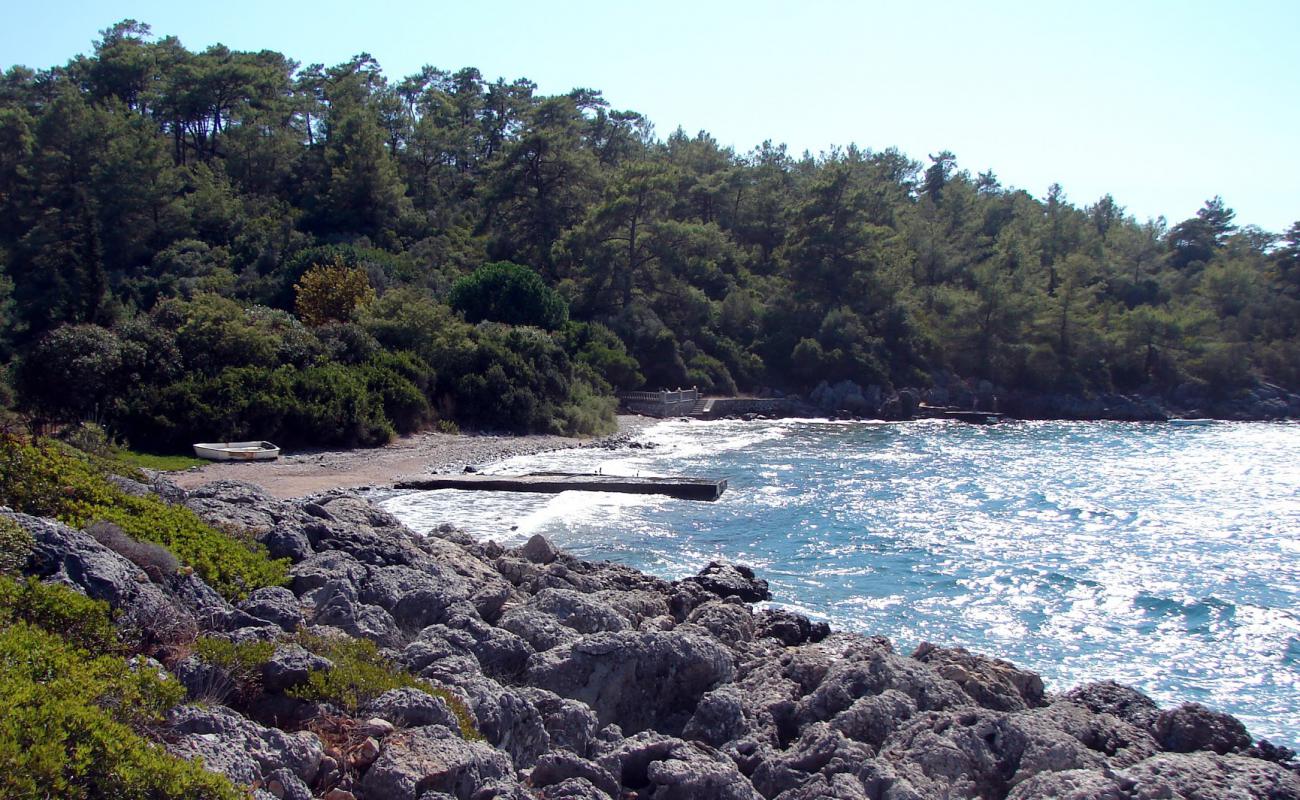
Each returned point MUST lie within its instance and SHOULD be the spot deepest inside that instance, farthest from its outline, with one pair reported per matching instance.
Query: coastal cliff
(533, 674)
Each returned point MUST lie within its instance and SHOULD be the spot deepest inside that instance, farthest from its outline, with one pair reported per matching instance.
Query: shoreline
(310, 472)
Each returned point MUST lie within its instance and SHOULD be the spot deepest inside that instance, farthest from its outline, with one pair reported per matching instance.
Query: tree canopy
(175, 199)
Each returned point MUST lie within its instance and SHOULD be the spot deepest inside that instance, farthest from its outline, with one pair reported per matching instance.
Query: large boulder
(635, 679)
(221, 736)
(670, 769)
(289, 666)
(991, 682)
(411, 708)
(1192, 726)
(1109, 697)
(432, 759)
(276, 605)
(1194, 776)
(732, 580)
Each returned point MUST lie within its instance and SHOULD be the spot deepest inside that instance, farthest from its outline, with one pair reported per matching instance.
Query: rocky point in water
(590, 681)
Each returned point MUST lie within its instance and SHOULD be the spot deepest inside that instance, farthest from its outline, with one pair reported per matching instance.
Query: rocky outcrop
(593, 681)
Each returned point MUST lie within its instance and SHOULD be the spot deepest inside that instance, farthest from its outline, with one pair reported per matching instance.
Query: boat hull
(237, 451)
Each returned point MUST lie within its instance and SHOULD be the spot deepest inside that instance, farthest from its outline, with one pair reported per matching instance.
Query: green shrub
(242, 661)
(49, 482)
(510, 293)
(15, 544)
(68, 726)
(60, 610)
(361, 674)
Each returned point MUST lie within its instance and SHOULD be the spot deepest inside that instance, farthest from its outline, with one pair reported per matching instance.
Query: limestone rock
(635, 679)
(433, 759)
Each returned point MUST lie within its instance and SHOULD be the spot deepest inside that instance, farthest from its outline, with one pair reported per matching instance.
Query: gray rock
(288, 540)
(416, 598)
(337, 609)
(663, 767)
(818, 750)
(1195, 776)
(1108, 697)
(731, 580)
(146, 615)
(284, 785)
(573, 789)
(637, 680)
(433, 759)
(235, 505)
(320, 569)
(558, 766)
(991, 682)
(569, 724)
(508, 720)
(1119, 741)
(872, 719)
(276, 605)
(501, 654)
(538, 550)
(411, 708)
(729, 622)
(289, 666)
(220, 735)
(204, 682)
(1192, 726)
(580, 612)
(542, 631)
(789, 628)
(720, 718)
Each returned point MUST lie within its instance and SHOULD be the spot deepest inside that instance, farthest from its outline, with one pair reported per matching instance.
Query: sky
(1160, 104)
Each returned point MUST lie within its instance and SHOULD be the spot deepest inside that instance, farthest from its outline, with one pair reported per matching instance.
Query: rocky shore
(848, 399)
(591, 681)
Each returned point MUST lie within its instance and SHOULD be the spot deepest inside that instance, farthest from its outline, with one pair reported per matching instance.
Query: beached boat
(237, 451)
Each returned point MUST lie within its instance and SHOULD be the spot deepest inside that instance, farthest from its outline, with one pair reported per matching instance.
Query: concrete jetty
(555, 482)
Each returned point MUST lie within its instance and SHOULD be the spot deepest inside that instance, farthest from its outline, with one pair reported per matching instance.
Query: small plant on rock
(361, 674)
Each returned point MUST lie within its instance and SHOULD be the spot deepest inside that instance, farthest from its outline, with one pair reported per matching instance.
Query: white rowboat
(237, 451)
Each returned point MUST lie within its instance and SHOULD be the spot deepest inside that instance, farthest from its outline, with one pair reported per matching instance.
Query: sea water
(1166, 557)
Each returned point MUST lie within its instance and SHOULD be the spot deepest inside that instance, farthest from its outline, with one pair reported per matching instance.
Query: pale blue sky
(1162, 104)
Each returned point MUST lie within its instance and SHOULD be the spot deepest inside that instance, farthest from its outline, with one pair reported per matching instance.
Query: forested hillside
(238, 244)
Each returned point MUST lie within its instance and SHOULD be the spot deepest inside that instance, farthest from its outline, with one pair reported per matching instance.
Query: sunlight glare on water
(1160, 556)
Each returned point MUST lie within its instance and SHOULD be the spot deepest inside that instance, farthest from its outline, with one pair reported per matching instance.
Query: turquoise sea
(1162, 556)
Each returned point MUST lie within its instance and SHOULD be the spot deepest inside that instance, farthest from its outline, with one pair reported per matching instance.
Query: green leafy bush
(51, 482)
(361, 674)
(15, 544)
(59, 610)
(68, 727)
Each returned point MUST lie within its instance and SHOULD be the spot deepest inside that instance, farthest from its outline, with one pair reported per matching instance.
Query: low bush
(242, 661)
(48, 481)
(70, 726)
(361, 674)
(155, 560)
(15, 545)
(57, 609)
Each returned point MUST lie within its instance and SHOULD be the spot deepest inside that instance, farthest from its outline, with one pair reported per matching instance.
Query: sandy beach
(301, 473)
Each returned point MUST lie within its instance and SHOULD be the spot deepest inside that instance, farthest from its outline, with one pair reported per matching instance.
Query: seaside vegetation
(220, 244)
(360, 673)
(49, 479)
(78, 711)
